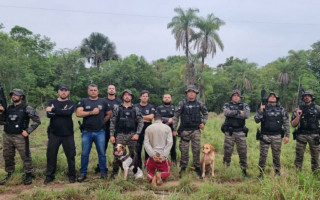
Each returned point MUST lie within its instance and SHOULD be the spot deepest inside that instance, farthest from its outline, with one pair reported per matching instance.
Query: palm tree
(284, 76)
(98, 48)
(207, 39)
(182, 25)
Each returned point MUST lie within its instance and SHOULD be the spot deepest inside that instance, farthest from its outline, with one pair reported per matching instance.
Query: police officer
(127, 123)
(236, 112)
(274, 125)
(306, 117)
(60, 131)
(167, 112)
(193, 115)
(95, 112)
(147, 110)
(112, 100)
(17, 130)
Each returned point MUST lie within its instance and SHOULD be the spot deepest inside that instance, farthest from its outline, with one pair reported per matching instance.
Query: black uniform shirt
(94, 122)
(111, 103)
(146, 110)
(61, 117)
(166, 111)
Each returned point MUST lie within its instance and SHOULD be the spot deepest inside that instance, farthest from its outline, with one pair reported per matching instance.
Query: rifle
(300, 103)
(301, 91)
(3, 103)
(263, 99)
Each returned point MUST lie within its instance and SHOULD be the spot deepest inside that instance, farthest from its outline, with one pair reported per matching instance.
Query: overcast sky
(259, 30)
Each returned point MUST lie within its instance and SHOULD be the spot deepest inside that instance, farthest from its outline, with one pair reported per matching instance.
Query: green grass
(228, 183)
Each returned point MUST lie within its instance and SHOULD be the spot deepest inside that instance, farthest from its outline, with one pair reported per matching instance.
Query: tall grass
(228, 183)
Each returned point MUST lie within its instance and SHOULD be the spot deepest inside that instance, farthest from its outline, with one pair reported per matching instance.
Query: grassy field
(228, 183)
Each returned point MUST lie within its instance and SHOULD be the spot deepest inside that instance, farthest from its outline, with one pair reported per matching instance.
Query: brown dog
(207, 160)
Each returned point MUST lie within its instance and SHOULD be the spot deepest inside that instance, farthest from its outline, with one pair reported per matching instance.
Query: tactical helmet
(278, 98)
(193, 88)
(308, 93)
(18, 92)
(127, 91)
(236, 92)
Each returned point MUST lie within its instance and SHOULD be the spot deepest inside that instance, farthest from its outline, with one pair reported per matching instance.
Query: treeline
(29, 61)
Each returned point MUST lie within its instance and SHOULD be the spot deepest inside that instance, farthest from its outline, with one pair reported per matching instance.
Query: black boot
(277, 172)
(28, 179)
(2, 182)
(198, 171)
(97, 169)
(48, 179)
(244, 173)
(261, 175)
(182, 171)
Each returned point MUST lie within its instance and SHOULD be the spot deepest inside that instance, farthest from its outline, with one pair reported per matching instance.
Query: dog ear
(211, 147)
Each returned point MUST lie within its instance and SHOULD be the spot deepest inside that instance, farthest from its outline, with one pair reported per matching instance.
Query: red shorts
(152, 166)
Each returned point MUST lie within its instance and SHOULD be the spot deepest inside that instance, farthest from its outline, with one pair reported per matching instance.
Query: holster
(295, 133)
(80, 126)
(282, 133)
(246, 130)
(316, 140)
(258, 134)
(27, 146)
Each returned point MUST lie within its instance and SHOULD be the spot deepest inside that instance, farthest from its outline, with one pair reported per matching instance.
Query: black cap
(63, 86)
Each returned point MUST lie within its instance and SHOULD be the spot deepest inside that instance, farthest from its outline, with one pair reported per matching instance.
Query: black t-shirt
(166, 111)
(111, 103)
(94, 123)
(61, 117)
(146, 110)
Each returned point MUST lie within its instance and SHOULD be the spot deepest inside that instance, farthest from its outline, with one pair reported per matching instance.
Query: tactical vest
(309, 118)
(166, 111)
(190, 116)
(17, 119)
(126, 119)
(232, 121)
(272, 120)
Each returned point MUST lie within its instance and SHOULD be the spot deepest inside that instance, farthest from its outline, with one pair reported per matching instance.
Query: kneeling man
(158, 143)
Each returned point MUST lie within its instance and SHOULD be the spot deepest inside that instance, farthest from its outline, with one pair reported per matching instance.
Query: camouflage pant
(125, 139)
(195, 138)
(301, 143)
(11, 142)
(275, 142)
(240, 139)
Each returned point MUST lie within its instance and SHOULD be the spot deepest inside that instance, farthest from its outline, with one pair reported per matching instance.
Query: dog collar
(125, 158)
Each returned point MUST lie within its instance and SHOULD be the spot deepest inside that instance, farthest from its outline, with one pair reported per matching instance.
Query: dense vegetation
(228, 183)
(29, 61)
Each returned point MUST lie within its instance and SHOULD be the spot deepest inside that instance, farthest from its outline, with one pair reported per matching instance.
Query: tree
(98, 48)
(207, 39)
(314, 59)
(182, 25)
